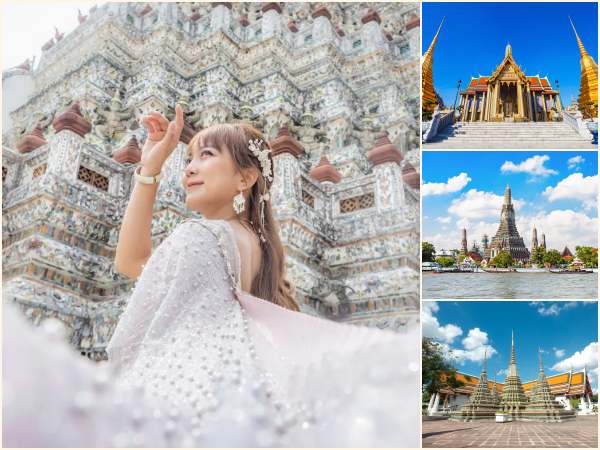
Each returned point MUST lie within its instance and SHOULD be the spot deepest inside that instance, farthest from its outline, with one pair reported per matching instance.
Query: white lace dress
(200, 363)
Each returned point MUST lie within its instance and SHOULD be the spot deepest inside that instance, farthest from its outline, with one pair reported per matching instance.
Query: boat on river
(500, 270)
(531, 270)
(577, 271)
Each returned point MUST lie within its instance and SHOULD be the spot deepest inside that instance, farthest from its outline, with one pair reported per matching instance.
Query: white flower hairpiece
(267, 171)
(263, 157)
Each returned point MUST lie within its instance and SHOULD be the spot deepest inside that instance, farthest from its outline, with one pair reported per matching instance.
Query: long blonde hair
(270, 282)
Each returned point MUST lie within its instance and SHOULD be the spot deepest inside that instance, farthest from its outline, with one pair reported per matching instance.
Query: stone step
(505, 144)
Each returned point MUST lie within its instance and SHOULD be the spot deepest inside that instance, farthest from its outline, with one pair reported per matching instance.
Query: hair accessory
(263, 157)
(267, 171)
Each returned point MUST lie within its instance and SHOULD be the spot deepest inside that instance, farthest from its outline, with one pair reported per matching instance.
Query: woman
(212, 329)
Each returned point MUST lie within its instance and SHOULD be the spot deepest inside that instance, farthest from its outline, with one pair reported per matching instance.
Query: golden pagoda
(428, 95)
(588, 87)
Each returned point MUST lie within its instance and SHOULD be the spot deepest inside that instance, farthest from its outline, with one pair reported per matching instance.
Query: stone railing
(575, 121)
(440, 121)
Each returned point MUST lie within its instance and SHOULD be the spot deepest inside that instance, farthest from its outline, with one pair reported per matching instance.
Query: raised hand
(163, 137)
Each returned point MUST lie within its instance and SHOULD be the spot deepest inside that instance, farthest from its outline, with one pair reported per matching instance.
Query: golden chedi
(588, 86)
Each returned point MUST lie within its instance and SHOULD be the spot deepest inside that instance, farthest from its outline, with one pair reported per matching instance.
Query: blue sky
(474, 37)
(470, 328)
(554, 191)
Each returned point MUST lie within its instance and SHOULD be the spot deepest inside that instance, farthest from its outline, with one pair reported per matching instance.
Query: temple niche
(508, 95)
(333, 87)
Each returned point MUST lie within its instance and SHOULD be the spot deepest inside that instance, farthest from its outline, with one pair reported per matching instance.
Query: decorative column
(271, 20)
(65, 146)
(322, 30)
(520, 100)
(545, 108)
(220, 16)
(492, 107)
(528, 101)
(389, 183)
(487, 103)
(371, 33)
(474, 107)
(534, 96)
(286, 191)
(483, 106)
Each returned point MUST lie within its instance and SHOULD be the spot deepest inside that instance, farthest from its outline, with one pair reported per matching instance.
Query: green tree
(444, 261)
(502, 259)
(437, 373)
(427, 251)
(537, 257)
(552, 258)
(587, 255)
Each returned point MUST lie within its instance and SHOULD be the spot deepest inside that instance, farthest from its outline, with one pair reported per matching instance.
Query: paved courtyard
(581, 432)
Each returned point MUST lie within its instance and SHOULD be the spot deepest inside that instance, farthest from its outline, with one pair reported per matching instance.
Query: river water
(510, 285)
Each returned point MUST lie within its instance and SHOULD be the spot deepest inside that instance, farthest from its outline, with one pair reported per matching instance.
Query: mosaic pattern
(336, 83)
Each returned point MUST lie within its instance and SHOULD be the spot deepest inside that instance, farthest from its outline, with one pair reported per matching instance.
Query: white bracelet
(144, 179)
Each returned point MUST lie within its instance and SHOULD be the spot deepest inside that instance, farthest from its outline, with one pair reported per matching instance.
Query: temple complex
(333, 87)
(429, 97)
(510, 95)
(513, 400)
(507, 238)
(542, 406)
(481, 404)
(588, 85)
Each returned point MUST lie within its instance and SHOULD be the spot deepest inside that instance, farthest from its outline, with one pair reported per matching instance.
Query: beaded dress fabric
(221, 361)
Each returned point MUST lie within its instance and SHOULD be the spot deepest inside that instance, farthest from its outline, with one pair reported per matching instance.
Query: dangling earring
(239, 203)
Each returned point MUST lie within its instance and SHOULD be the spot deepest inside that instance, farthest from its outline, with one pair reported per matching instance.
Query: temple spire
(588, 85)
(485, 360)
(429, 97)
(582, 51)
(508, 50)
(507, 195)
(541, 363)
(513, 359)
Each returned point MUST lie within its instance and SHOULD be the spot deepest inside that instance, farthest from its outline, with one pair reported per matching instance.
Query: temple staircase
(509, 135)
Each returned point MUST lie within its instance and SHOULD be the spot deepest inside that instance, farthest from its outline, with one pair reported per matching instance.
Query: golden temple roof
(588, 86)
(559, 384)
(428, 96)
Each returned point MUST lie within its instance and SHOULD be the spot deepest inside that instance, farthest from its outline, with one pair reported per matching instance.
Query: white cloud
(562, 227)
(575, 187)
(433, 329)
(453, 184)
(446, 219)
(476, 347)
(503, 372)
(586, 358)
(476, 204)
(533, 166)
(574, 162)
(558, 352)
(552, 308)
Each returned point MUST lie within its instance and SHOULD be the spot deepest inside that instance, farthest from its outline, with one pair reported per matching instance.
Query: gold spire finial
(428, 96)
(588, 86)
(582, 50)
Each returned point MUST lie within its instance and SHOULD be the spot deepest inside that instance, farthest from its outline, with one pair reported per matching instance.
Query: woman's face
(210, 181)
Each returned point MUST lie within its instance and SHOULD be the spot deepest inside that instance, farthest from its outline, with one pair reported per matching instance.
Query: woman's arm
(135, 236)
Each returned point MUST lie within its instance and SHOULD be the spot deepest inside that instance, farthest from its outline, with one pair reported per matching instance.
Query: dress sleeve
(193, 264)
